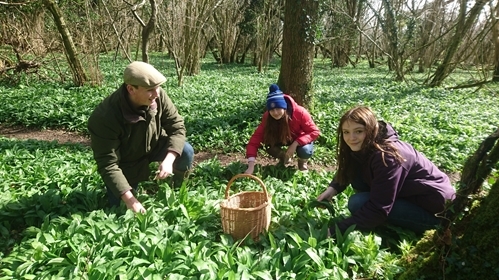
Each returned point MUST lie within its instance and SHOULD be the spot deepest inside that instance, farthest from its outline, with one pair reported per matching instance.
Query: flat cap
(142, 74)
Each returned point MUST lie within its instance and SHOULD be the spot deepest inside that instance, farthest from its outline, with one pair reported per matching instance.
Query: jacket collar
(130, 114)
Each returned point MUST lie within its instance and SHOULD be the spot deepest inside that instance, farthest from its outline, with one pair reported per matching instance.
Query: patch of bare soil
(49, 135)
(225, 159)
(63, 137)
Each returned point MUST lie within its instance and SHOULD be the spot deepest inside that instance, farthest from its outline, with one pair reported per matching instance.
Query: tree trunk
(463, 26)
(495, 36)
(79, 76)
(344, 18)
(427, 29)
(182, 28)
(476, 169)
(227, 31)
(36, 32)
(213, 47)
(340, 55)
(249, 46)
(268, 33)
(148, 29)
(296, 72)
(391, 31)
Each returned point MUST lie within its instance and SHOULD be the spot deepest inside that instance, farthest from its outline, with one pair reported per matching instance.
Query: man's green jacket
(122, 138)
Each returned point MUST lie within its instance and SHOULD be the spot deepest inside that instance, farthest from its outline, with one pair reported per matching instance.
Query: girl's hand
(251, 168)
(291, 151)
(327, 195)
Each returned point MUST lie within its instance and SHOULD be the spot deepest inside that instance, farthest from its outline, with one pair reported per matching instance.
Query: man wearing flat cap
(136, 125)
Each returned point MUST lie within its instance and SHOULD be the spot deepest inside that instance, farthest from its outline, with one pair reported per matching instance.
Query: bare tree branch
(134, 11)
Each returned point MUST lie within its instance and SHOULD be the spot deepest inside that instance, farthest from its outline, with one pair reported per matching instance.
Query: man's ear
(130, 88)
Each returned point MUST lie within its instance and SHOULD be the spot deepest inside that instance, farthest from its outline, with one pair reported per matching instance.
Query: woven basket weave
(246, 213)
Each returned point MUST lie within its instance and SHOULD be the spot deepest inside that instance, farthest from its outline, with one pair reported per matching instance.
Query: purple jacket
(417, 180)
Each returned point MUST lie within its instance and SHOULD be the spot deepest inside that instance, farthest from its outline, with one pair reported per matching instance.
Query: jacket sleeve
(105, 145)
(335, 185)
(257, 138)
(386, 183)
(309, 130)
(173, 124)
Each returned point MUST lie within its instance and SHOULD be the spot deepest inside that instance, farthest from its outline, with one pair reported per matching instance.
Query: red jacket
(303, 128)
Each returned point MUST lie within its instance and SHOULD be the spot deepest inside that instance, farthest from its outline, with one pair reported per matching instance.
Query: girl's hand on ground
(290, 151)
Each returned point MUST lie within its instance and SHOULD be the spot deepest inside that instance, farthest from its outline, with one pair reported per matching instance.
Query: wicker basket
(246, 213)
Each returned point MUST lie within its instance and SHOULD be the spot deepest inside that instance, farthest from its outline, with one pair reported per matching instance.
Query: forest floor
(225, 159)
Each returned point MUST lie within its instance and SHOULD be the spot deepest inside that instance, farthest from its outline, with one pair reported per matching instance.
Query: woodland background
(428, 47)
(433, 37)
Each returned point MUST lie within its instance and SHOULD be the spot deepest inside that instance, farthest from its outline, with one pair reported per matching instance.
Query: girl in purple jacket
(394, 183)
(285, 123)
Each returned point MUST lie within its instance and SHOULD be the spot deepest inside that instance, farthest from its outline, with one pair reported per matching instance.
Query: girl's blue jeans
(403, 214)
(303, 152)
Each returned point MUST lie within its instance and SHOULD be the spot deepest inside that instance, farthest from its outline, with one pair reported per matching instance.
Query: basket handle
(248, 176)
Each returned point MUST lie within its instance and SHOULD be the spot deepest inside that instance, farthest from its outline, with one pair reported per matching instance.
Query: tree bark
(476, 169)
(79, 76)
(296, 74)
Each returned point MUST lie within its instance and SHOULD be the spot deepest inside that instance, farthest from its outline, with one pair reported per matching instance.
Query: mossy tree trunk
(476, 169)
(298, 48)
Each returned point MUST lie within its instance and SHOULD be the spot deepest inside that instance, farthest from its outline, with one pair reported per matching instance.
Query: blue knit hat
(275, 98)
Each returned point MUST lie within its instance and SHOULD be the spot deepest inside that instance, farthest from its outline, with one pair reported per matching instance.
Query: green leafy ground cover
(53, 219)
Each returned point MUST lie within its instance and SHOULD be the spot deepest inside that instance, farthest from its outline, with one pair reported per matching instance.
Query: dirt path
(62, 137)
(225, 159)
(43, 135)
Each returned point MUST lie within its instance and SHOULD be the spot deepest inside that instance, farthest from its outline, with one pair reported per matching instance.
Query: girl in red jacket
(285, 123)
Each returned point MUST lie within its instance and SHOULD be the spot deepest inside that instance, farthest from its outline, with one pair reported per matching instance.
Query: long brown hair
(375, 141)
(277, 131)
